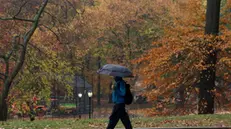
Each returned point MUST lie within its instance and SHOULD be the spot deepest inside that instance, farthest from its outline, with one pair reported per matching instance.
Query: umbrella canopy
(115, 70)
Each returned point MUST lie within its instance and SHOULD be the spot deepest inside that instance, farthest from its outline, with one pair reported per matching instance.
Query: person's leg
(125, 118)
(114, 118)
(126, 121)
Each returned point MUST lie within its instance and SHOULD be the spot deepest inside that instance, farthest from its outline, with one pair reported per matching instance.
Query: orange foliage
(177, 58)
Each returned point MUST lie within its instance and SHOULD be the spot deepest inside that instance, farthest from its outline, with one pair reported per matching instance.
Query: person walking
(119, 112)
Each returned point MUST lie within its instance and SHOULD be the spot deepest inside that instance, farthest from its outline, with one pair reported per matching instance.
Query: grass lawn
(174, 121)
(68, 105)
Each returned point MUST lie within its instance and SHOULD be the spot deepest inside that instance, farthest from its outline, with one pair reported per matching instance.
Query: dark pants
(119, 112)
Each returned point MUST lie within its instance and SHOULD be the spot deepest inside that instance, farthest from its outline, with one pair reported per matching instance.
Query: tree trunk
(207, 84)
(208, 76)
(212, 17)
(98, 84)
(3, 102)
(180, 97)
(3, 110)
(84, 87)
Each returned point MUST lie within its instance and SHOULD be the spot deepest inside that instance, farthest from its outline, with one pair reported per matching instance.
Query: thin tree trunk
(181, 98)
(84, 86)
(208, 76)
(98, 85)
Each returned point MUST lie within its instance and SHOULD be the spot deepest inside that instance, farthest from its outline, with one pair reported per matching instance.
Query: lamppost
(80, 96)
(89, 93)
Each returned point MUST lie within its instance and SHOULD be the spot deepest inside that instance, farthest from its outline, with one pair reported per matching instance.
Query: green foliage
(40, 75)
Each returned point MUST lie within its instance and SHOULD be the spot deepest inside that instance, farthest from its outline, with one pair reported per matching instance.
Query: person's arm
(122, 90)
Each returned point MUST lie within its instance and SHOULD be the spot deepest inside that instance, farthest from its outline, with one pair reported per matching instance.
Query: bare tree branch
(81, 12)
(37, 48)
(20, 9)
(72, 6)
(16, 18)
(36, 19)
(56, 35)
(54, 18)
(40, 50)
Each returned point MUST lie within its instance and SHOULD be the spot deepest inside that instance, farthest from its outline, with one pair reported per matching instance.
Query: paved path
(186, 128)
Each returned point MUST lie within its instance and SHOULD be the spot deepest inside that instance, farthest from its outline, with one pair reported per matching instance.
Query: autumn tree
(176, 61)
(16, 53)
(125, 28)
(208, 75)
(52, 56)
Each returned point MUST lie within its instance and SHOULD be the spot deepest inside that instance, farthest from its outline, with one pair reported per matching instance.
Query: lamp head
(80, 95)
(89, 93)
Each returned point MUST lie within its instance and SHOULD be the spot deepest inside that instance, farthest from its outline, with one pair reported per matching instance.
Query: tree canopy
(44, 43)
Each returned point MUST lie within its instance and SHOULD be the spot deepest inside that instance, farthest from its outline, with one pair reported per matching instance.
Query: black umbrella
(115, 70)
